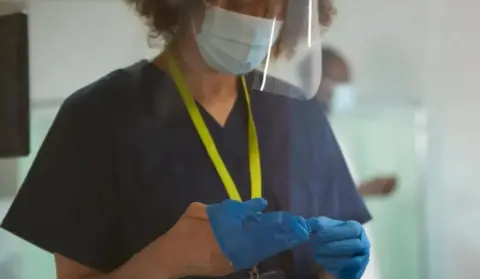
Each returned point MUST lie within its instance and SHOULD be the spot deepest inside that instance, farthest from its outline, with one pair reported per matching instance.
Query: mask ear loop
(205, 6)
(254, 274)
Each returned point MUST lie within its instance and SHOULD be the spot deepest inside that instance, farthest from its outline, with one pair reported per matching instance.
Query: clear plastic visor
(276, 42)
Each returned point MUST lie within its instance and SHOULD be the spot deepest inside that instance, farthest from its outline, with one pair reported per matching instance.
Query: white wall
(10, 6)
(428, 50)
(454, 73)
(75, 42)
(72, 43)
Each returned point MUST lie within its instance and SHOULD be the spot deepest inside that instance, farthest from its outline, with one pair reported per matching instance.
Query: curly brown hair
(163, 15)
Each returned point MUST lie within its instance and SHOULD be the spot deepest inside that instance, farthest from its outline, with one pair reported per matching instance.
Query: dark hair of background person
(329, 54)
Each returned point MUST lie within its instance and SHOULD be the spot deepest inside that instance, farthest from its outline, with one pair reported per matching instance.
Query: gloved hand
(341, 248)
(246, 236)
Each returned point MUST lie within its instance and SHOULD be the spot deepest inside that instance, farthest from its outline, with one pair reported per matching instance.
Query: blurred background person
(335, 94)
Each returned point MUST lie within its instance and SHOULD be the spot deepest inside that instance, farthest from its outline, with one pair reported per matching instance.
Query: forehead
(251, 7)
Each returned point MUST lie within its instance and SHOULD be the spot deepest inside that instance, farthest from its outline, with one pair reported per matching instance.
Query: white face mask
(235, 43)
(344, 97)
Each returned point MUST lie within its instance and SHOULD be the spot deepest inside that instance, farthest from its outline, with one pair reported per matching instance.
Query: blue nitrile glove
(342, 248)
(246, 236)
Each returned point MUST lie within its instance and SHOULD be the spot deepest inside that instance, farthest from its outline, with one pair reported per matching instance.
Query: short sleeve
(347, 202)
(66, 203)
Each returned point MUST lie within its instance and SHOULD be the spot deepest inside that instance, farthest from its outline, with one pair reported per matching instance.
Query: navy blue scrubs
(122, 161)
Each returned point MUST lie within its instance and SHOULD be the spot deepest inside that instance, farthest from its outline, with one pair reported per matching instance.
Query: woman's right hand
(190, 249)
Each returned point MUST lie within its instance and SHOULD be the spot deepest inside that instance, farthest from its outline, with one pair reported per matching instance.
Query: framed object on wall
(14, 86)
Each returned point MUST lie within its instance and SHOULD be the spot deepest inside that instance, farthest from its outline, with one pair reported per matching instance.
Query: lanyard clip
(254, 274)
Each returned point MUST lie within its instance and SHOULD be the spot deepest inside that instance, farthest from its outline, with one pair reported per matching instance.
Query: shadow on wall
(10, 7)
(8, 167)
(8, 178)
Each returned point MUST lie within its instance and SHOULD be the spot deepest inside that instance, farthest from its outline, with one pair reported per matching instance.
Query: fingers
(357, 246)
(196, 210)
(353, 266)
(297, 228)
(236, 209)
(280, 225)
(255, 205)
(291, 229)
(286, 224)
(252, 206)
(344, 248)
(326, 230)
(273, 232)
(319, 224)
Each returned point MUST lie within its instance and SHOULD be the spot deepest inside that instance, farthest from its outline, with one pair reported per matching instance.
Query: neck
(206, 86)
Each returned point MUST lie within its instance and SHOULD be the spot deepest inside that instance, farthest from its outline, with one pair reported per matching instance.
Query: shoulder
(310, 115)
(288, 101)
(109, 93)
(124, 96)
(311, 108)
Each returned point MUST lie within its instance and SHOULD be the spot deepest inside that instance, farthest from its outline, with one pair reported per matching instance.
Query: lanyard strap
(207, 140)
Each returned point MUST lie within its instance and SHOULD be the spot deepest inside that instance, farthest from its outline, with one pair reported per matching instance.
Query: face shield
(276, 43)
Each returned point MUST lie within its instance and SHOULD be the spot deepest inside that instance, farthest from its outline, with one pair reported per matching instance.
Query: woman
(128, 154)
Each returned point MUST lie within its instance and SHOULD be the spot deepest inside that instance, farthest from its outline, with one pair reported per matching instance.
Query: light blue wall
(384, 141)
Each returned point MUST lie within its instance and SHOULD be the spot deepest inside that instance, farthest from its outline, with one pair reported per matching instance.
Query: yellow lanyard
(207, 140)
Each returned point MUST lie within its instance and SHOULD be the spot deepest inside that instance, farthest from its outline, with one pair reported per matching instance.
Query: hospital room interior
(406, 115)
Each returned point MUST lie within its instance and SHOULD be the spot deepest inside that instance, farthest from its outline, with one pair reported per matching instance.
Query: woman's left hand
(342, 248)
